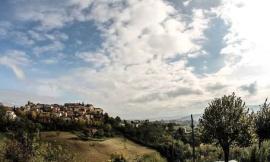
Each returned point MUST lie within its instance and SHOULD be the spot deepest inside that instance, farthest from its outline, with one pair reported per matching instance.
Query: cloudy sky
(134, 58)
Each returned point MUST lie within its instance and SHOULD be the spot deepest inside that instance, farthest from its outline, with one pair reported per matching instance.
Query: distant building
(10, 115)
(67, 112)
(98, 110)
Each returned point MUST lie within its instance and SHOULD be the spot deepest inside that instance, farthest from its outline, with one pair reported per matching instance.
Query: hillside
(99, 151)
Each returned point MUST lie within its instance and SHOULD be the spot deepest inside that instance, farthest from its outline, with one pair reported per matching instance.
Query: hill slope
(100, 151)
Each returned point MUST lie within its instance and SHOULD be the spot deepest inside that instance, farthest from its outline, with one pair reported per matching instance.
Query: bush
(208, 153)
(118, 158)
(55, 152)
(154, 157)
(253, 153)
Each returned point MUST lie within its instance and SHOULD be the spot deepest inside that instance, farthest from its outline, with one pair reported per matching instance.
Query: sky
(136, 59)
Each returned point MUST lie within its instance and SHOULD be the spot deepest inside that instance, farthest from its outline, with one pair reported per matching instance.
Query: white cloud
(51, 14)
(7, 32)
(140, 32)
(15, 59)
(139, 37)
(48, 15)
(44, 36)
(54, 47)
(246, 51)
(96, 59)
(50, 61)
(47, 89)
(247, 38)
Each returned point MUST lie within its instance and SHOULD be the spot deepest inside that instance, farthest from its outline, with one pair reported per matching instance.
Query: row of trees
(227, 122)
(160, 136)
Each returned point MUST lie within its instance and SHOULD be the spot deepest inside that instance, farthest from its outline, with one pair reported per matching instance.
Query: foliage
(154, 157)
(227, 122)
(262, 122)
(23, 141)
(226, 128)
(118, 158)
(30, 150)
(158, 136)
(21, 148)
(53, 152)
(208, 153)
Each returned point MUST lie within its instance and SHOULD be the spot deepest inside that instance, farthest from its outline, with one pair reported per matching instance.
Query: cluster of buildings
(67, 112)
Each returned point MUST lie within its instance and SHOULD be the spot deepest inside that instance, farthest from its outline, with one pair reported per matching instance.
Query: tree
(227, 122)
(262, 122)
(2, 117)
(23, 143)
(180, 135)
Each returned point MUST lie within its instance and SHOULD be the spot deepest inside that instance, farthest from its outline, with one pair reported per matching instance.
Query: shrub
(118, 158)
(154, 157)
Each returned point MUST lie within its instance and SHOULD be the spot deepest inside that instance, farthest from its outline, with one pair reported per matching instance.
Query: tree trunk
(260, 143)
(226, 151)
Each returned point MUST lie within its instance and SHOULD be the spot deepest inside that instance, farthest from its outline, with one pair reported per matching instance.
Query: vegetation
(159, 136)
(262, 123)
(23, 144)
(118, 158)
(226, 130)
(227, 122)
(154, 157)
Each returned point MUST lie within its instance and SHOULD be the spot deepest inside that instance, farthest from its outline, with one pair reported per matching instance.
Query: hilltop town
(46, 113)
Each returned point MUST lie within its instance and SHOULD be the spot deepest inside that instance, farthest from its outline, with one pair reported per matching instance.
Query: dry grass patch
(99, 151)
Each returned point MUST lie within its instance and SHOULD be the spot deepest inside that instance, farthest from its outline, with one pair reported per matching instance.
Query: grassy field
(101, 151)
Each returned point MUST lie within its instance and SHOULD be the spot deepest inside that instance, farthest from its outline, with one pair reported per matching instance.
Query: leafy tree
(180, 135)
(2, 117)
(170, 127)
(262, 122)
(227, 122)
(23, 141)
(33, 115)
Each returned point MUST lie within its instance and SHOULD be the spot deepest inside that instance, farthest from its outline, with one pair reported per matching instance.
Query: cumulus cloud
(54, 47)
(246, 48)
(184, 91)
(14, 59)
(181, 91)
(138, 39)
(51, 14)
(136, 36)
(96, 59)
(216, 86)
(142, 64)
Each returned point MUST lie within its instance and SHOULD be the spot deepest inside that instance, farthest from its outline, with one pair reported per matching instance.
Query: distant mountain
(182, 120)
(196, 117)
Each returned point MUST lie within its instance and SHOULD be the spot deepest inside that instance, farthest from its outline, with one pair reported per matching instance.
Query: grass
(101, 151)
